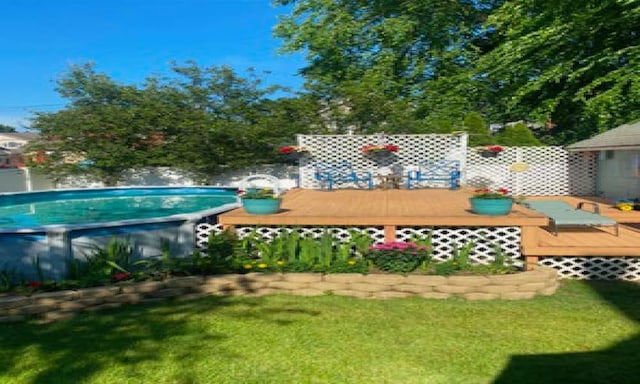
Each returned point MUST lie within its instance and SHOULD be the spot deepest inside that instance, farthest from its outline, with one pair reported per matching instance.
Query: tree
(105, 129)
(518, 135)
(477, 129)
(6, 128)
(202, 120)
(573, 63)
(382, 64)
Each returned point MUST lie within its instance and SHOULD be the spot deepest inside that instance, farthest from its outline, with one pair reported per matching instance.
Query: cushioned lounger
(562, 214)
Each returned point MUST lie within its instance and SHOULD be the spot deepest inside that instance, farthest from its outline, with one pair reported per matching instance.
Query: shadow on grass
(619, 363)
(74, 351)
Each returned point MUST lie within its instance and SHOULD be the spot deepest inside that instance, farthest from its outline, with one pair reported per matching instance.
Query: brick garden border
(52, 306)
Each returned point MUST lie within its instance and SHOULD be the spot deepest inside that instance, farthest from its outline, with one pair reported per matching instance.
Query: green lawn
(586, 333)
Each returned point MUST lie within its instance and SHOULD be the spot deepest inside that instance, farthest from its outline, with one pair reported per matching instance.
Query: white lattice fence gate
(413, 149)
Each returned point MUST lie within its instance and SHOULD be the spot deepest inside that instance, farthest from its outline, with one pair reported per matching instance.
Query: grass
(586, 333)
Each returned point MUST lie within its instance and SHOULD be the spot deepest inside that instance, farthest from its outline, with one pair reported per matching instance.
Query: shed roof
(626, 136)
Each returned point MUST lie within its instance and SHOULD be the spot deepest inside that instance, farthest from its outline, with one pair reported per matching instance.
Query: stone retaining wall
(52, 306)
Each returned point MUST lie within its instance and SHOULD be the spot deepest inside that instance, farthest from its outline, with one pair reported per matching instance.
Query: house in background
(11, 146)
(15, 140)
(618, 172)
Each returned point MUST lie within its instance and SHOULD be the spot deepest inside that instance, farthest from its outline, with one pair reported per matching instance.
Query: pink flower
(397, 246)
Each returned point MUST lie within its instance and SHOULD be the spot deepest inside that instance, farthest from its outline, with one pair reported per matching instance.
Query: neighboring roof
(20, 135)
(626, 136)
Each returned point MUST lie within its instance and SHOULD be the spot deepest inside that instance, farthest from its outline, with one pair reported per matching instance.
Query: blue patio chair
(560, 213)
(331, 174)
(444, 171)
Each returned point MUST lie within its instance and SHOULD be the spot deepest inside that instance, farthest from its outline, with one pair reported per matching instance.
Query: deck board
(441, 207)
(428, 207)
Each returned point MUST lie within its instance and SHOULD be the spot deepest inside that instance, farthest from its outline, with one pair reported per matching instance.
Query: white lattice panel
(202, 233)
(553, 170)
(339, 233)
(444, 240)
(412, 150)
(608, 268)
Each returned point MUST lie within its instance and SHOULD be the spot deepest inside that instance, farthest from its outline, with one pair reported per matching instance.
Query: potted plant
(491, 202)
(260, 201)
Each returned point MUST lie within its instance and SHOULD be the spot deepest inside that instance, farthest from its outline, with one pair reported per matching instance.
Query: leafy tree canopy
(517, 135)
(574, 63)
(203, 120)
(6, 128)
(379, 63)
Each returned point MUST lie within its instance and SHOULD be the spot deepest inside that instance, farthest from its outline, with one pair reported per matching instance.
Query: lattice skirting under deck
(444, 240)
(584, 268)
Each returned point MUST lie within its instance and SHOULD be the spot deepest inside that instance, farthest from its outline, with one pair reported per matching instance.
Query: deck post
(389, 233)
(530, 262)
(529, 240)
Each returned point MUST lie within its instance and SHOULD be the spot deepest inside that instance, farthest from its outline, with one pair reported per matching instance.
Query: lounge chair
(331, 174)
(562, 214)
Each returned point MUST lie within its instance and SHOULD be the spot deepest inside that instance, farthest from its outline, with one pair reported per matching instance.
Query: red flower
(292, 149)
(34, 284)
(494, 148)
(287, 149)
(379, 148)
(119, 276)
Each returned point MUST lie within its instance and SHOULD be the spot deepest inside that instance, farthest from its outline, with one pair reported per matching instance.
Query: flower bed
(52, 306)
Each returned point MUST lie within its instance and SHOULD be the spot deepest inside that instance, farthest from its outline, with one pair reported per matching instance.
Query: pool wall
(54, 246)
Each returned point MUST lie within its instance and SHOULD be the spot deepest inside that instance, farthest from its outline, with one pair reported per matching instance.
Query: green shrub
(398, 256)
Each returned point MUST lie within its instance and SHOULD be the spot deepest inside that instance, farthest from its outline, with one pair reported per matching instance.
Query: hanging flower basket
(377, 149)
(292, 154)
(379, 152)
(490, 150)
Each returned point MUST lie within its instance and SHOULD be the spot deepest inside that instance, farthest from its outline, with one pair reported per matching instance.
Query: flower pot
(293, 157)
(261, 206)
(380, 155)
(491, 207)
(489, 154)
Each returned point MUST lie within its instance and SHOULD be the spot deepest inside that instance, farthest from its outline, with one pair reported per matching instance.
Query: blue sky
(129, 40)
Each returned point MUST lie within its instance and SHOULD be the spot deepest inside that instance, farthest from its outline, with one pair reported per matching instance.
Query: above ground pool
(89, 206)
(50, 228)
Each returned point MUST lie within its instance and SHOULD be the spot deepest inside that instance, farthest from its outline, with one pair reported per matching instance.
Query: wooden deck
(440, 207)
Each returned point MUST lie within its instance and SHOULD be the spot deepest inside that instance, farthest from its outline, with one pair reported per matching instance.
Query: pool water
(97, 206)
